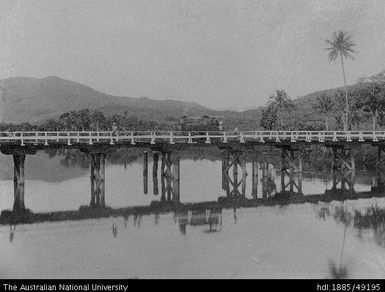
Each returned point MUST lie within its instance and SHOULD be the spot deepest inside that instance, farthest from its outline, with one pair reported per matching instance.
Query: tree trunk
(326, 123)
(347, 123)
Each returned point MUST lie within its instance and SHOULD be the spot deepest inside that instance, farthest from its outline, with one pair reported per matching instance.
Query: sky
(218, 53)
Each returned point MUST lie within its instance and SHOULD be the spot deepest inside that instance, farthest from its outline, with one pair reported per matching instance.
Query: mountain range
(24, 99)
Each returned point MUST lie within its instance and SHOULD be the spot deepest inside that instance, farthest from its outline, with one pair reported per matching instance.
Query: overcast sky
(221, 54)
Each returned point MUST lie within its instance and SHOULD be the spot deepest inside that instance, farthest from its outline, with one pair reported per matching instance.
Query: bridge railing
(172, 137)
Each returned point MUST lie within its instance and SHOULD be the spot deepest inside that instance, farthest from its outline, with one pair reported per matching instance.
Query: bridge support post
(92, 181)
(176, 179)
(236, 158)
(18, 180)
(291, 165)
(163, 178)
(343, 168)
(167, 176)
(145, 172)
(244, 175)
(225, 172)
(378, 184)
(102, 179)
(155, 173)
(97, 178)
(255, 167)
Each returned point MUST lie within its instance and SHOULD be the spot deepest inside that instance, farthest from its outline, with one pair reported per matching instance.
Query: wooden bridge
(164, 146)
(177, 137)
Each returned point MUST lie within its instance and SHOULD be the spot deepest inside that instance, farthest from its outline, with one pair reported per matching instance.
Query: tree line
(87, 120)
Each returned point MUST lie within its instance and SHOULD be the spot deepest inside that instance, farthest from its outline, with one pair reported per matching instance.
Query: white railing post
(361, 137)
(207, 138)
(348, 137)
(189, 138)
(172, 138)
(277, 138)
(321, 137)
(68, 139)
(78, 138)
(111, 139)
(46, 139)
(35, 138)
(292, 139)
(22, 139)
(261, 140)
(224, 137)
(132, 138)
(308, 137)
(57, 137)
(152, 138)
(241, 138)
(335, 136)
(90, 139)
(374, 137)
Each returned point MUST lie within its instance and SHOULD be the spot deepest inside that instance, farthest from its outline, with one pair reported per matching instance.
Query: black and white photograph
(192, 139)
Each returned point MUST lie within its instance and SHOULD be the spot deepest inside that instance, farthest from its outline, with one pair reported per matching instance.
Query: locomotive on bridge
(204, 123)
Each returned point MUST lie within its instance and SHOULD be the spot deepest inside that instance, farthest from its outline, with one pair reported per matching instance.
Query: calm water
(322, 240)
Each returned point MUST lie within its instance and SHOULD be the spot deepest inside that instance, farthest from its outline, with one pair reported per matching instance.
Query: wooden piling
(102, 179)
(145, 172)
(244, 175)
(163, 177)
(283, 170)
(300, 170)
(176, 179)
(168, 176)
(254, 179)
(155, 173)
(235, 178)
(92, 181)
(18, 160)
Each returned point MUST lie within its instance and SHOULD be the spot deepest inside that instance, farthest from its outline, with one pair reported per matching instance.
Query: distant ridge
(33, 100)
(24, 99)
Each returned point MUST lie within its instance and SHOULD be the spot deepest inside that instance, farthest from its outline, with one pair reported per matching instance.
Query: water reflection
(210, 210)
(12, 229)
(210, 219)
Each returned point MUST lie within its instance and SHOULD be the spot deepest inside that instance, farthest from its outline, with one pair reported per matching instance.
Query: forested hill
(34, 100)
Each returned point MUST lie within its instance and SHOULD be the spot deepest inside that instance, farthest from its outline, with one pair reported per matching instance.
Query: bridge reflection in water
(238, 150)
(235, 163)
(249, 178)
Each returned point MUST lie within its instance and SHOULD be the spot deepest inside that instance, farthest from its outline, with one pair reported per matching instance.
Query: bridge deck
(178, 137)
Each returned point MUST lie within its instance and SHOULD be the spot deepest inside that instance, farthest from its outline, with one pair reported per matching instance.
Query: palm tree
(281, 101)
(324, 105)
(341, 45)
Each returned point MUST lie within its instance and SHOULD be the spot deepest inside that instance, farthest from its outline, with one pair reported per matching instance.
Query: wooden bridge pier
(155, 159)
(343, 168)
(291, 166)
(170, 177)
(18, 182)
(234, 158)
(254, 178)
(18, 154)
(176, 179)
(97, 177)
(145, 172)
(378, 183)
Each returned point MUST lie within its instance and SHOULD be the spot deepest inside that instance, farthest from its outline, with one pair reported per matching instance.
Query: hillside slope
(32, 100)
